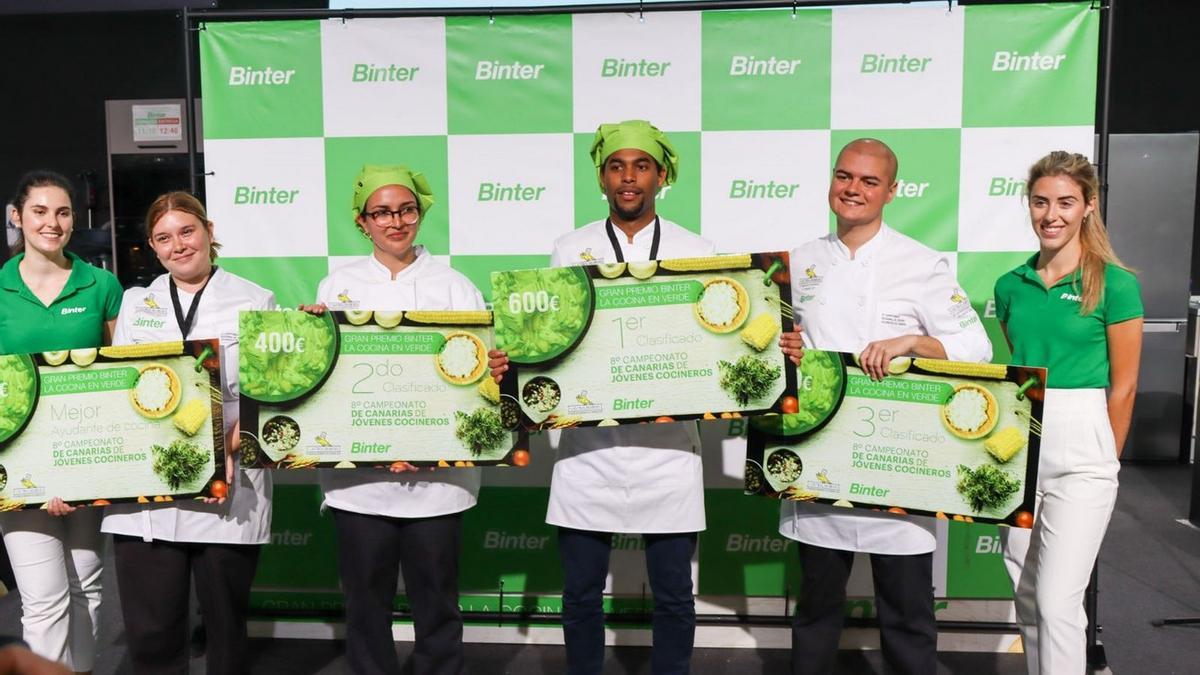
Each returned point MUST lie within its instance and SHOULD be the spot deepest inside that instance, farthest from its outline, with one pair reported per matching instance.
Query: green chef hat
(374, 176)
(639, 135)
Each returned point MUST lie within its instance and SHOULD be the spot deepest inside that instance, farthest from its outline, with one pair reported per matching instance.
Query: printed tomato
(897, 509)
(520, 458)
(218, 489)
(789, 405)
(1024, 519)
(664, 419)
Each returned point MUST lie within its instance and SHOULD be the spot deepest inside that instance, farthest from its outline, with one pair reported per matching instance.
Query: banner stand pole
(189, 97)
(1096, 657)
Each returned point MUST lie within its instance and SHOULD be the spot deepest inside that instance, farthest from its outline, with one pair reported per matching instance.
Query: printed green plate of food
(541, 314)
(273, 368)
(18, 393)
(820, 387)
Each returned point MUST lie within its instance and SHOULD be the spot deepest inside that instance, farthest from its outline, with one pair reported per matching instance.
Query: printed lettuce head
(821, 380)
(541, 314)
(17, 393)
(276, 377)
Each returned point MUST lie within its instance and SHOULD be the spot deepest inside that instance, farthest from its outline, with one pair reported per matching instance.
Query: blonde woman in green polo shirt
(1076, 310)
(52, 300)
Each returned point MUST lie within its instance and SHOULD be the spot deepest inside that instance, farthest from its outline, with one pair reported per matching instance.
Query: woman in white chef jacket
(635, 479)
(159, 547)
(872, 291)
(406, 521)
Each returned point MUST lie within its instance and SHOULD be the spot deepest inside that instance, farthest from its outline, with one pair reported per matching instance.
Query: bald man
(871, 291)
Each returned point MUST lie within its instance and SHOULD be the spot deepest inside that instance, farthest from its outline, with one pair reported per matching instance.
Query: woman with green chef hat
(406, 521)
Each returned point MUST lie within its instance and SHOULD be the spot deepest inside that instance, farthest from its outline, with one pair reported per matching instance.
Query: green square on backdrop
(926, 203)
(344, 158)
(479, 268)
(294, 280)
(977, 274)
(766, 69)
(512, 76)
(1030, 65)
(678, 203)
(745, 555)
(261, 79)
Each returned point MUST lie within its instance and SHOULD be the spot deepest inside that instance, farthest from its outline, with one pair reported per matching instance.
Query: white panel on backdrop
(514, 191)
(896, 68)
(631, 68)
(384, 77)
(764, 190)
(267, 196)
(992, 210)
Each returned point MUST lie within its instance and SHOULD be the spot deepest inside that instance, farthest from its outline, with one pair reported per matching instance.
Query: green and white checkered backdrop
(499, 116)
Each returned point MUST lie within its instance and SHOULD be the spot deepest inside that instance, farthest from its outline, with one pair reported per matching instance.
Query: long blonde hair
(1097, 250)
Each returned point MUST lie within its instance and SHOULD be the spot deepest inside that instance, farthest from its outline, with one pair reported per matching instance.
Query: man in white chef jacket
(871, 291)
(644, 479)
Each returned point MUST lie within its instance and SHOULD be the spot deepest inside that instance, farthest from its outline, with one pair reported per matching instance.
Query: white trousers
(57, 564)
(1050, 565)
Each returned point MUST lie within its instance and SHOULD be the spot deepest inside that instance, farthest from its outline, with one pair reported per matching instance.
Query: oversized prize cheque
(365, 388)
(654, 341)
(137, 423)
(942, 438)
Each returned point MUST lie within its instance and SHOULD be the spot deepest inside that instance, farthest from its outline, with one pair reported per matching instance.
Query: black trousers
(585, 556)
(904, 608)
(372, 553)
(155, 590)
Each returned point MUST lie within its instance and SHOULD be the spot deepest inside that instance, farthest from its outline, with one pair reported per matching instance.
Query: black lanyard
(185, 323)
(616, 245)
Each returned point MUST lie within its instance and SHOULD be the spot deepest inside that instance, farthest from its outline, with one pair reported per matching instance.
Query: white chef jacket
(425, 284)
(147, 316)
(637, 478)
(893, 286)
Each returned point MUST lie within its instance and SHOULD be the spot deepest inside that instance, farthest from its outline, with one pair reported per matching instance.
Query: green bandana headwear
(639, 135)
(374, 176)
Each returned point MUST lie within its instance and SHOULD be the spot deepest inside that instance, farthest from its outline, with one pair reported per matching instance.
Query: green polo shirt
(75, 319)
(1047, 330)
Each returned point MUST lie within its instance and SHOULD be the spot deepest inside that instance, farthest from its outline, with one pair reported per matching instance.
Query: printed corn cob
(994, 371)
(489, 389)
(143, 350)
(191, 416)
(478, 318)
(760, 331)
(1005, 444)
(712, 262)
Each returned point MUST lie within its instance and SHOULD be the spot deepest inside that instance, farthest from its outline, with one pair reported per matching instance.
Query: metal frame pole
(189, 98)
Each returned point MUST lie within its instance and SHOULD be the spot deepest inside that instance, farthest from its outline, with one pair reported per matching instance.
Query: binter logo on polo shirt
(1071, 297)
(72, 310)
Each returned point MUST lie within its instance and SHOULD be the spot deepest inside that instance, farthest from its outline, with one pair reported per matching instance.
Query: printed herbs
(987, 487)
(748, 378)
(480, 431)
(180, 463)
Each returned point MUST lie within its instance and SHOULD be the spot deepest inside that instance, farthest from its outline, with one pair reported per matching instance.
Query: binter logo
(504, 541)
(366, 72)
(72, 310)
(499, 192)
(1015, 61)
(882, 63)
(495, 70)
(747, 543)
(643, 68)
(251, 194)
(910, 190)
(748, 189)
(245, 76)
(1006, 187)
(742, 66)
(1071, 297)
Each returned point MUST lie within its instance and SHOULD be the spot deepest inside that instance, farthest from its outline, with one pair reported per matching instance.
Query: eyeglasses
(409, 215)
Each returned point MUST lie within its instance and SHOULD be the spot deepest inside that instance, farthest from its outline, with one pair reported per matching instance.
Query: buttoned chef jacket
(630, 478)
(893, 286)
(147, 315)
(426, 284)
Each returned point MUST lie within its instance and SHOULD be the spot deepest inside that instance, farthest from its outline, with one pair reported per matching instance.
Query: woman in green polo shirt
(1074, 309)
(52, 300)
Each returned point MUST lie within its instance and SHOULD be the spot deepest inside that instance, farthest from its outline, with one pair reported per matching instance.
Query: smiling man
(872, 291)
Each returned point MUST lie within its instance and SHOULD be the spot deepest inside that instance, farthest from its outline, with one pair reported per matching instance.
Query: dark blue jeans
(585, 566)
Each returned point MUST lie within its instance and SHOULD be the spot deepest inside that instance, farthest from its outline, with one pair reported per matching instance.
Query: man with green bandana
(640, 479)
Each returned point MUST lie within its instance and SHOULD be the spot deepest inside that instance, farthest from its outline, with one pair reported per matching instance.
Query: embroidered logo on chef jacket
(960, 308)
(148, 313)
(344, 302)
(809, 280)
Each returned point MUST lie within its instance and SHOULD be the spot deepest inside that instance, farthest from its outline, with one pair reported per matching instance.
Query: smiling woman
(51, 300)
